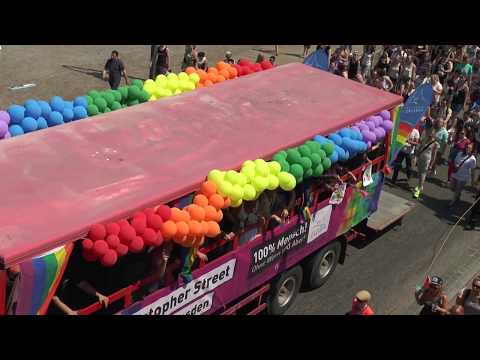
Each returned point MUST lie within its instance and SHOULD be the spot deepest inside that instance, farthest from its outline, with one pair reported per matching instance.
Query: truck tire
(320, 266)
(284, 291)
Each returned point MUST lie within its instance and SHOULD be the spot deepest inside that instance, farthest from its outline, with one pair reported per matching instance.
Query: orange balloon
(216, 201)
(200, 85)
(179, 238)
(196, 212)
(185, 216)
(190, 70)
(227, 203)
(176, 214)
(204, 225)
(212, 70)
(208, 82)
(220, 78)
(182, 228)
(224, 73)
(233, 72)
(203, 75)
(208, 188)
(168, 229)
(195, 227)
(212, 77)
(200, 200)
(210, 213)
(221, 65)
(219, 215)
(213, 229)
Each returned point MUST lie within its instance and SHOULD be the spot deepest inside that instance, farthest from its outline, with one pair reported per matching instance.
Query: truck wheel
(284, 291)
(321, 266)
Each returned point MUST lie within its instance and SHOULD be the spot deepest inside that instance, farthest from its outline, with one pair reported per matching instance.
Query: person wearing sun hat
(360, 304)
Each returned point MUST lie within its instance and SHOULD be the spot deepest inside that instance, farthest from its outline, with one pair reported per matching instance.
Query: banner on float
(407, 117)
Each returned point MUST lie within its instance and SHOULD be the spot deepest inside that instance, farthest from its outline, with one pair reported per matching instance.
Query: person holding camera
(432, 298)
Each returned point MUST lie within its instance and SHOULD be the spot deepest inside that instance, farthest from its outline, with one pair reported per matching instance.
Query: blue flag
(317, 59)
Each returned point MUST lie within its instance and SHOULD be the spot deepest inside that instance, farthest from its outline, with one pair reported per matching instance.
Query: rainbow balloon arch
(35, 115)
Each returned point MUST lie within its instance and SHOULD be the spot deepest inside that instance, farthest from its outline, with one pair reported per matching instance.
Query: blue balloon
(57, 103)
(29, 102)
(68, 105)
(17, 113)
(357, 135)
(15, 130)
(45, 106)
(346, 133)
(55, 118)
(32, 109)
(79, 112)
(334, 157)
(29, 124)
(337, 139)
(42, 123)
(348, 145)
(67, 115)
(320, 139)
(80, 101)
(341, 153)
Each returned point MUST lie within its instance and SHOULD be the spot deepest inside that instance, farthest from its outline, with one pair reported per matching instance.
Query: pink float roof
(56, 183)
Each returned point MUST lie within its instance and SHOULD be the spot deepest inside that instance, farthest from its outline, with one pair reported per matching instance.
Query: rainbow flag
(39, 280)
(396, 137)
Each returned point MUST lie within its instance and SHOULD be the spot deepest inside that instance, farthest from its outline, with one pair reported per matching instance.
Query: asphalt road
(390, 266)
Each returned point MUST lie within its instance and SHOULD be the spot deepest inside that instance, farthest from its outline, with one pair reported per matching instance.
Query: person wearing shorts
(426, 148)
(464, 163)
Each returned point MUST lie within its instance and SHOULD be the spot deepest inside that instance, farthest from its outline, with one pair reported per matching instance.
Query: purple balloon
(369, 136)
(387, 125)
(363, 127)
(385, 114)
(4, 117)
(371, 125)
(7, 135)
(377, 120)
(369, 144)
(3, 129)
(379, 133)
(354, 127)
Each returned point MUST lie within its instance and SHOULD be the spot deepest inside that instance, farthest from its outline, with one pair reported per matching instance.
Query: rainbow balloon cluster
(253, 178)
(101, 102)
(35, 115)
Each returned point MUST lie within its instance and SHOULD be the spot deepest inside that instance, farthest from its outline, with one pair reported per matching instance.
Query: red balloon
(139, 224)
(244, 62)
(97, 232)
(113, 229)
(164, 211)
(89, 256)
(246, 70)
(136, 245)
(127, 233)
(149, 236)
(265, 64)
(239, 69)
(158, 239)
(122, 250)
(139, 214)
(149, 211)
(113, 241)
(100, 247)
(110, 258)
(257, 67)
(154, 221)
(87, 244)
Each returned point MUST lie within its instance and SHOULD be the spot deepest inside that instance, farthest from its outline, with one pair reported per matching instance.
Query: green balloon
(124, 105)
(109, 98)
(328, 148)
(284, 165)
(116, 106)
(326, 163)
(107, 109)
(322, 154)
(282, 155)
(89, 99)
(315, 159)
(101, 103)
(144, 96)
(293, 156)
(134, 93)
(308, 173)
(93, 94)
(117, 95)
(306, 163)
(297, 171)
(92, 110)
(124, 92)
(132, 103)
(304, 150)
(318, 170)
(138, 83)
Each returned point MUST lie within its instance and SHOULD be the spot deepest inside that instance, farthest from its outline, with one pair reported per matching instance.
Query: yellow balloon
(152, 98)
(236, 204)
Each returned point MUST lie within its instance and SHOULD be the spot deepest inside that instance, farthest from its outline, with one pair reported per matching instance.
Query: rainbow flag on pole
(405, 118)
(39, 280)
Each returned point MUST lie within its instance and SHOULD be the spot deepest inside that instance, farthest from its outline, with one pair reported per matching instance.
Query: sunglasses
(476, 286)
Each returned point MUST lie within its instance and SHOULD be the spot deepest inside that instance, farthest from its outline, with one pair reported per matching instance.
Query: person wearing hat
(360, 304)
(432, 298)
(229, 58)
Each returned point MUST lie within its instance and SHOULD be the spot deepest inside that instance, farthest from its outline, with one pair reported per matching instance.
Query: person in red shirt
(360, 304)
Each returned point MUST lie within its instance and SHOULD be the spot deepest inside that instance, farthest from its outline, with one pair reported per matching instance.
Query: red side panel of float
(57, 182)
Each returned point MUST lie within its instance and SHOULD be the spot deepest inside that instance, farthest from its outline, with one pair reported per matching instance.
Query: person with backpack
(463, 164)
(469, 299)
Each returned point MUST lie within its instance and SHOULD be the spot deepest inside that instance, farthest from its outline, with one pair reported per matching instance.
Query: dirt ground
(72, 70)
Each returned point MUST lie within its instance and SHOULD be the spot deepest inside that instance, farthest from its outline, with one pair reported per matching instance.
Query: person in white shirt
(464, 163)
(437, 88)
(406, 153)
